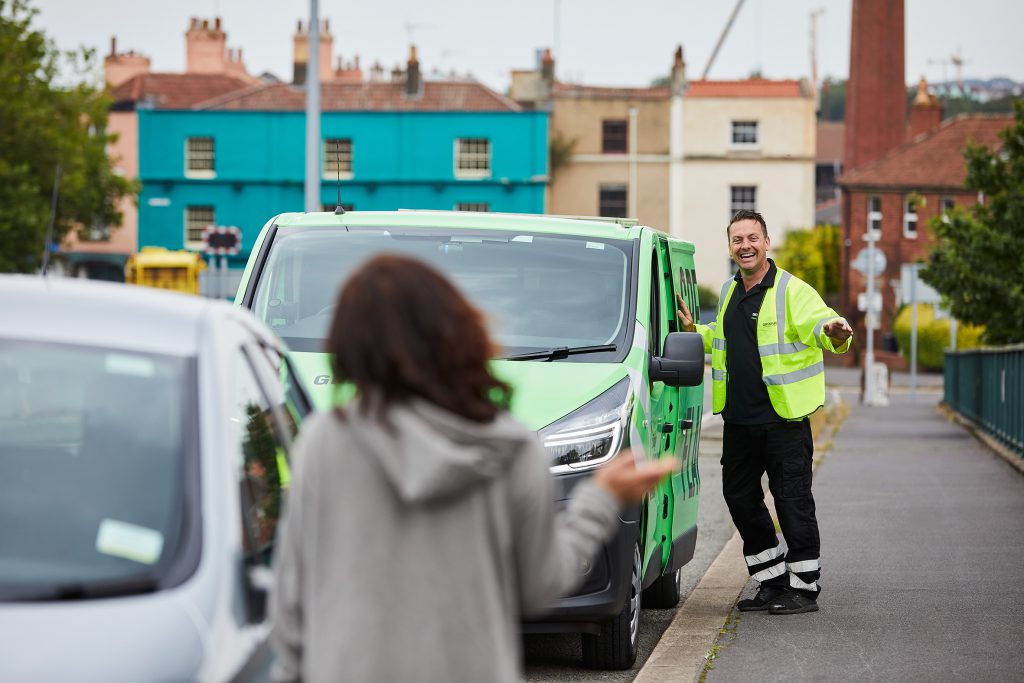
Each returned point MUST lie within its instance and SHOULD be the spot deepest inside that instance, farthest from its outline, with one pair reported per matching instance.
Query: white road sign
(861, 261)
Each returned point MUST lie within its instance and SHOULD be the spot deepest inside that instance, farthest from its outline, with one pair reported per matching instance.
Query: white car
(143, 450)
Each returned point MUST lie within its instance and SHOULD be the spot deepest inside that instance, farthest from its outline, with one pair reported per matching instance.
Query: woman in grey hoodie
(420, 526)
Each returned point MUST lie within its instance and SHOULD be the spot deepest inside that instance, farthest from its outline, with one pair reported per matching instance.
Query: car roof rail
(624, 222)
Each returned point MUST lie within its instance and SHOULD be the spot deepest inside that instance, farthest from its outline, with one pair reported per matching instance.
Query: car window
(262, 462)
(93, 449)
(538, 291)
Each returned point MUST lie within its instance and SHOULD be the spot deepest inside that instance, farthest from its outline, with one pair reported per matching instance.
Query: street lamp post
(869, 355)
(312, 186)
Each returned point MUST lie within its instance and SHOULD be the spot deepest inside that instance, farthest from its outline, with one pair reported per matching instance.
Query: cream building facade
(682, 157)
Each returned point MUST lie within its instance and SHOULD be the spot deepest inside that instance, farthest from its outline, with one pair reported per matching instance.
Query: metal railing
(986, 386)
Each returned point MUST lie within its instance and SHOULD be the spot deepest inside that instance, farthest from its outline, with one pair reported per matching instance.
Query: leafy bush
(813, 256)
(708, 298)
(933, 336)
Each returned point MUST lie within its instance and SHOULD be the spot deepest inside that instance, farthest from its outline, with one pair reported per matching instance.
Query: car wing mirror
(681, 363)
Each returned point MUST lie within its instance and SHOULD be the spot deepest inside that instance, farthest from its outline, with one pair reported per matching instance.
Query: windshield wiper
(84, 590)
(561, 352)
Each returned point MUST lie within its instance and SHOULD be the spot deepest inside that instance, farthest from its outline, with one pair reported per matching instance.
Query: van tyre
(664, 592)
(617, 644)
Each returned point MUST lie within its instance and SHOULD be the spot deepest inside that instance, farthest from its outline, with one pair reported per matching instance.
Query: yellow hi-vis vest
(790, 346)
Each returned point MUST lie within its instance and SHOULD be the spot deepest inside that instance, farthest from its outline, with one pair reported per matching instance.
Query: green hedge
(932, 336)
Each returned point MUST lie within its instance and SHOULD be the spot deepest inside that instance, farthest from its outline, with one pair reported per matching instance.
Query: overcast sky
(598, 42)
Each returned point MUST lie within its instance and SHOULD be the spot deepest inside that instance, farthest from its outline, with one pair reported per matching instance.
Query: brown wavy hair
(401, 330)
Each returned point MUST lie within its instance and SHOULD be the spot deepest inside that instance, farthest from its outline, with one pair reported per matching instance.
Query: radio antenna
(337, 163)
(53, 217)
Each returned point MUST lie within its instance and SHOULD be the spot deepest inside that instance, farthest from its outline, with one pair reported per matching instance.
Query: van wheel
(616, 646)
(664, 592)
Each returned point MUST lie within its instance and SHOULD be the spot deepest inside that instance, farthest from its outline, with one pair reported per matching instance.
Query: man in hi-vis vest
(767, 376)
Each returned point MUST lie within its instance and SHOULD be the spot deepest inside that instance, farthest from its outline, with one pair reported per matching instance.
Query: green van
(584, 309)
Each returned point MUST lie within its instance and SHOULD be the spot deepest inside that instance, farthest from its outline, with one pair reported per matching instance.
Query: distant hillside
(976, 96)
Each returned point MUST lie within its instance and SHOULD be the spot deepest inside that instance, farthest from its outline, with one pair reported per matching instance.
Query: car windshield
(539, 292)
(92, 451)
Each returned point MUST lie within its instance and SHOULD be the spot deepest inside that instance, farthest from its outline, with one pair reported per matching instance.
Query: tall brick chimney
(300, 55)
(875, 92)
(205, 47)
(925, 112)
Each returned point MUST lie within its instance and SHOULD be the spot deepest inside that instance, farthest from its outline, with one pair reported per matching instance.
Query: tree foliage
(43, 124)
(977, 263)
(813, 256)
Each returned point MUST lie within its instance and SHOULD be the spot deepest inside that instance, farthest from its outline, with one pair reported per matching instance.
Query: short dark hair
(401, 330)
(747, 215)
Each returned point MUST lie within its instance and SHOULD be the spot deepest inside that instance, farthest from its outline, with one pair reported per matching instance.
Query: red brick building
(880, 195)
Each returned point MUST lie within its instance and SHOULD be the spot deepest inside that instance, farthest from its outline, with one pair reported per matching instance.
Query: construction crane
(721, 39)
(957, 60)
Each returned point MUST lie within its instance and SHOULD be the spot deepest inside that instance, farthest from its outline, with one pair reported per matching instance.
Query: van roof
(607, 228)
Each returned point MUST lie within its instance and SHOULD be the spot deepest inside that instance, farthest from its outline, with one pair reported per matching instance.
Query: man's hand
(838, 331)
(685, 319)
(629, 483)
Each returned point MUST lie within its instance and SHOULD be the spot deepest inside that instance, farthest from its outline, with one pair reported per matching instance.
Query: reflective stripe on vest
(817, 331)
(718, 375)
(795, 376)
(717, 343)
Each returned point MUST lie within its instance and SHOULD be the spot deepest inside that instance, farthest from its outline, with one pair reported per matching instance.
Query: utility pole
(312, 202)
(870, 390)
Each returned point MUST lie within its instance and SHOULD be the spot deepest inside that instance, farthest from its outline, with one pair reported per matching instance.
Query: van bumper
(604, 590)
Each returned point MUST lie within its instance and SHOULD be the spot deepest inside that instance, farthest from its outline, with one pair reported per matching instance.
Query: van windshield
(93, 452)
(538, 292)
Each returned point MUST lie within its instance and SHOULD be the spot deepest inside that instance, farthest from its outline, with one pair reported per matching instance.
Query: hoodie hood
(428, 454)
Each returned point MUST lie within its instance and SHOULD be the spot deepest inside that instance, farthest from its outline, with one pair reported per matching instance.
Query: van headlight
(592, 434)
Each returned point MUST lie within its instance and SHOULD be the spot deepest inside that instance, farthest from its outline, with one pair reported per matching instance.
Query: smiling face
(748, 246)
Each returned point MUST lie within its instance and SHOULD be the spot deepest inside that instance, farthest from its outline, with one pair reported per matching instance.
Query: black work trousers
(784, 450)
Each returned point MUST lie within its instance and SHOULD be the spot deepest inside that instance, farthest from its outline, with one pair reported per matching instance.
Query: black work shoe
(792, 602)
(766, 596)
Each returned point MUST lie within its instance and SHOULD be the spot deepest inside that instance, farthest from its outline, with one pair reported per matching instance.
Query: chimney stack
(205, 51)
(120, 68)
(300, 55)
(413, 79)
(925, 112)
(678, 71)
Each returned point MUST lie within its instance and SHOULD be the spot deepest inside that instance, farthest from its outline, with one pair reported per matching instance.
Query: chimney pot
(206, 24)
(216, 23)
(327, 25)
(298, 29)
(113, 46)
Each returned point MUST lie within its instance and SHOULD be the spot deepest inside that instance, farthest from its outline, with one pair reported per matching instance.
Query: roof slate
(175, 91)
(933, 159)
(366, 96)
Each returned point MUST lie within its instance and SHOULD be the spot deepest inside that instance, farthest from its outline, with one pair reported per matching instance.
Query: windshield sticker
(123, 364)
(595, 245)
(523, 238)
(130, 541)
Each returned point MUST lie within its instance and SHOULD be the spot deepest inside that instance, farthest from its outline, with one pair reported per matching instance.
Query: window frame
(197, 245)
(191, 156)
(327, 149)
(608, 188)
(613, 136)
(910, 218)
(874, 217)
(472, 207)
(735, 127)
(735, 206)
(459, 154)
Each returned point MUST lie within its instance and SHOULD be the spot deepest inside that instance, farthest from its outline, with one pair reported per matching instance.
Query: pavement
(922, 561)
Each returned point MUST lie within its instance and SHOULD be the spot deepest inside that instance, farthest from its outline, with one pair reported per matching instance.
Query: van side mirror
(682, 361)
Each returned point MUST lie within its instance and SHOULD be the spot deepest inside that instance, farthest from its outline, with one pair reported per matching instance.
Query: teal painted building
(240, 159)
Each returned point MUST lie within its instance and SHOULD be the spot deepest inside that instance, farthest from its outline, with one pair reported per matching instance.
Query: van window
(538, 291)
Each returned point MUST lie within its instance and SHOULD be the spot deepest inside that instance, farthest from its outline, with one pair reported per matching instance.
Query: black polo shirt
(746, 397)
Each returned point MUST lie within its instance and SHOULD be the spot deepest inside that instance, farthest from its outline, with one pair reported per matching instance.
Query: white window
(742, 197)
(197, 218)
(909, 218)
(483, 207)
(472, 158)
(947, 205)
(744, 134)
(337, 156)
(874, 213)
(199, 158)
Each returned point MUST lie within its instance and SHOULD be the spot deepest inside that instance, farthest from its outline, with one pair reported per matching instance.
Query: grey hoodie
(412, 554)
